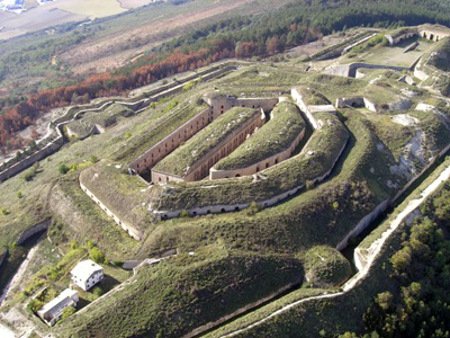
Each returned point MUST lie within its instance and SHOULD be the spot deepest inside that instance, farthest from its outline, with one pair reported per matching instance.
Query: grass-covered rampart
(315, 161)
(177, 296)
(274, 137)
(187, 155)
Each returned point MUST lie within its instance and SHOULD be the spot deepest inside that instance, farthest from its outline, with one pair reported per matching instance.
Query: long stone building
(218, 104)
(192, 161)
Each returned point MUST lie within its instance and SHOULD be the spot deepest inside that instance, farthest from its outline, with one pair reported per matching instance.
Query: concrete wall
(130, 229)
(261, 165)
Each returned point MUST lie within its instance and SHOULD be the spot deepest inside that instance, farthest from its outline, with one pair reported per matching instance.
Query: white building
(53, 310)
(86, 274)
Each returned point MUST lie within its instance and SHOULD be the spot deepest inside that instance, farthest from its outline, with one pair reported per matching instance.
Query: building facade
(86, 274)
(52, 311)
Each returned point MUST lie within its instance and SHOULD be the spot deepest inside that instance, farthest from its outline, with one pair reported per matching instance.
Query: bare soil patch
(115, 50)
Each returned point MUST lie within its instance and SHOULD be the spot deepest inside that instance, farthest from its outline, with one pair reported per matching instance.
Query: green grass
(326, 267)
(125, 194)
(312, 97)
(274, 137)
(186, 288)
(325, 145)
(187, 155)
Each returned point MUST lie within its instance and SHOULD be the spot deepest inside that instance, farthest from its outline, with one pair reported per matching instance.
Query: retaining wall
(257, 167)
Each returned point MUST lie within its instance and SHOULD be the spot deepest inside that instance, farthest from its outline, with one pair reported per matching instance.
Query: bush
(67, 312)
(96, 255)
(97, 291)
(63, 169)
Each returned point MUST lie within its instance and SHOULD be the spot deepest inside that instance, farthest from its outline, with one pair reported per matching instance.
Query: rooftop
(85, 269)
(182, 159)
(57, 304)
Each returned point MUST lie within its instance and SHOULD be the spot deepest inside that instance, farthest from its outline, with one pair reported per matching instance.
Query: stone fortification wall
(221, 103)
(261, 165)
(145, 162)
(201, 169)
(349, 70)
(215, 209)
(218, 105)
(356, 102)
(130, 229)
(13, 167)
(28, 161)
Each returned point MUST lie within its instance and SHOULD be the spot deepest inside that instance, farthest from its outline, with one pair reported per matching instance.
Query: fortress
(218, 104)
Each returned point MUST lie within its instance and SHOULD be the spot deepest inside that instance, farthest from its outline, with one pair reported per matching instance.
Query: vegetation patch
(274, 137)
(326, 267)
(123, 194)
(187, 289)
(183, 158)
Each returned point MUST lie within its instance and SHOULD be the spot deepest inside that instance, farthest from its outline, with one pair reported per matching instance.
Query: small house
(86, 274)
(52, 311)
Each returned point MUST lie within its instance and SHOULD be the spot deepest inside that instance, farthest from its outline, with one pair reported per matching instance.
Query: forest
(243, 37)
(420, 307)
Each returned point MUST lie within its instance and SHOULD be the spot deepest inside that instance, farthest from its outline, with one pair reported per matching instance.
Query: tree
(96, 255)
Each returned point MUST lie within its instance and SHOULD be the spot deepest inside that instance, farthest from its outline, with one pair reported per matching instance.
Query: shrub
(67, 312)
(96, 255)
(63, 169)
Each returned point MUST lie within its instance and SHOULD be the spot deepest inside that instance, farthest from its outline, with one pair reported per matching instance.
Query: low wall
(35, 229)
(261, 165)
(31, 159)
(131, 230)
(216, 209)
(349, 70)
(363, 224)
(211, 325)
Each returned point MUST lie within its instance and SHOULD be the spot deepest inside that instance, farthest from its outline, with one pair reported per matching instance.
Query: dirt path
(373, 252)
